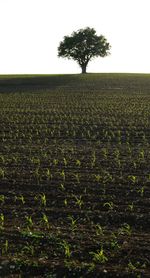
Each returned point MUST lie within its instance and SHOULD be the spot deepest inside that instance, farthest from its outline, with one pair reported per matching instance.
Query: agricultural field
(75, 176)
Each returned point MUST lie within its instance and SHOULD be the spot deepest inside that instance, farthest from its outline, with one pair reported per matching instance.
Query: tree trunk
(83, 68)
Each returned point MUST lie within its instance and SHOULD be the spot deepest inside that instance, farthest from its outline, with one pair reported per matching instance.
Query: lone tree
(82, 46)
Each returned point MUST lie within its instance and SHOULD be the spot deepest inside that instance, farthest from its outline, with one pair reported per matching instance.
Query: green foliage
(82, 46)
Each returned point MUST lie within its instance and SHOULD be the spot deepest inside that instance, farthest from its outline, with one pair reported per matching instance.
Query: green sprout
(66, 248)
(78, 163)
(2, 220)
(5, 247)
(110, 205)
(29, 221)
(43, 199)
(2, 173)
(73, 223)
(99, 256)
(125, 230)
(20, 198)
(2, 199)
(45, 220)
(79, 200)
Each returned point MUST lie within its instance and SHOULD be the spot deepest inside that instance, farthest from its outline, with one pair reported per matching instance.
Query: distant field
(75, 175)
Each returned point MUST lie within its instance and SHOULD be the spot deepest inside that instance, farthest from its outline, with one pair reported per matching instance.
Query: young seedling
(29, 222)
(79, 201)
(131, 207)
(5, 247)
(78, 163)
(93, 159)
(99, 230)
(98, 178)
(141, 191)
(28, 249)
(77, 177)
(125, 230)
(73, 223)
(131, 267)
(132, 179)
(104, 152)
(99, 256)
(62, 187)
(66, 248)
(141, 155)
(2, 173)
(43, 199)
(114, 242)
(63, 175)
(65, 161)
(109, 205)
(20, 198)
(36, 161)
(45, 220)
(2, 220)
(65, 202)
(37, 174)
(2, 158)
(2, 199)
(55, 162)
(48, 174)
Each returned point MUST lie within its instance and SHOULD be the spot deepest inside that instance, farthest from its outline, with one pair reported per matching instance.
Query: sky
(31, 30)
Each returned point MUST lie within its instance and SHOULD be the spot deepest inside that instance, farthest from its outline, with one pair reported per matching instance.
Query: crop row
(75, 183)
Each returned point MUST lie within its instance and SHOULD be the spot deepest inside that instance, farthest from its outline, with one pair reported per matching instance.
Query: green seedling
(99, 230)
(55, 162)
(20, 198)
(131, 207)
(125, 230)
(65, 161)
(141, 154)
(93, 160)
(141, 191)
(63, 175)
(65, 202)
(79, 201)
(2, 159)
(104, 152)
(62, 187)
(2, 173)
(45, 220)
(114, 242)
(66, 248)
(36, 173)
(98, 178)
(109, 205)
(99, 256)
(48, 174)
(73, 223)
(132, 179)
(2, 199)
(29, 221)
(5, 247)
(77, 177)
(78, 163)
(131, 267)
(35, 161)
(28, 249)
(2, 220)
(42, 199)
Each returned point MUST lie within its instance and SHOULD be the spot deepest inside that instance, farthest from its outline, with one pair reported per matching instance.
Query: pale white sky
(30, 32)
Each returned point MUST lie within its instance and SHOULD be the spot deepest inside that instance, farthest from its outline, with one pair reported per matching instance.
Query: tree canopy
(82, 46)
